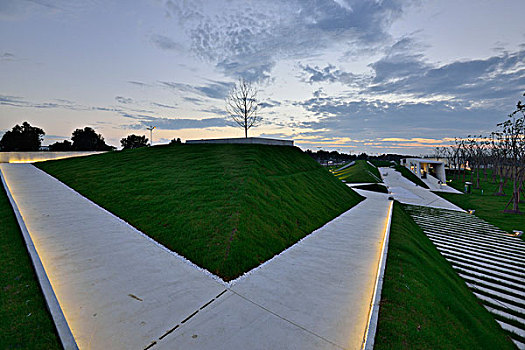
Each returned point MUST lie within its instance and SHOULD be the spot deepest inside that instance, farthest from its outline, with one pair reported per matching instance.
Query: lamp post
(150, 128)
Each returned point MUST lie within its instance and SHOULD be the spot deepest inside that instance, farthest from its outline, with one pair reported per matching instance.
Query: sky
(375, 76)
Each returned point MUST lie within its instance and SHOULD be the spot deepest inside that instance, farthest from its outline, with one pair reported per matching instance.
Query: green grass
(25, 322)
(373, 187)
(381, 163)
(410, 175)
(488, 207)
(227, 208)
(361, 171)
(424, 303)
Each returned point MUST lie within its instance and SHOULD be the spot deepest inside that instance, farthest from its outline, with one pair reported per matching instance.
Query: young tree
(242, 105)
(513, 139)
(22, 138)
(134, 141)
(88, 140)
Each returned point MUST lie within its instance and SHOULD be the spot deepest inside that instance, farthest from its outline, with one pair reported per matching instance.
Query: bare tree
(242, 105)
(513, 135)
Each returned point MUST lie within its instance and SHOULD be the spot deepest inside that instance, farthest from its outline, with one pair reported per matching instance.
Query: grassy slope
(361, 171)
(487, 206)
(410, 175)
(25, 322)
(425, 305)
(225, 207)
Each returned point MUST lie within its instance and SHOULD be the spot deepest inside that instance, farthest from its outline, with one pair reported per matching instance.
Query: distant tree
(176, 141)
(242, 105)
(88, 140)
(134, 141)
(61, 146)
(22, 138)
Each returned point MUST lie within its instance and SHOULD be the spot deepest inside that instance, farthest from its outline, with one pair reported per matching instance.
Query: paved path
(118, 289)
(407, 192)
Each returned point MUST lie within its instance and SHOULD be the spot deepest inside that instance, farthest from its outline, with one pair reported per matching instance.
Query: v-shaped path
(118, 289)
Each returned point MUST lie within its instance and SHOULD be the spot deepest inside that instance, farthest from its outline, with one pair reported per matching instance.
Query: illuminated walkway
(120, 290)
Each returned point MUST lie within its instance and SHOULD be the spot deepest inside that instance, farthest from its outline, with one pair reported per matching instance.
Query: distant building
(425, 168)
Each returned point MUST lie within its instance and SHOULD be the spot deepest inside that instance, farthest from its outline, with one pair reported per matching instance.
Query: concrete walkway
(118, 289)
(407, 192)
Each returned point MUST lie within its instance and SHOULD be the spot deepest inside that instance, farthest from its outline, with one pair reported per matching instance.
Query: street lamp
(150, 128)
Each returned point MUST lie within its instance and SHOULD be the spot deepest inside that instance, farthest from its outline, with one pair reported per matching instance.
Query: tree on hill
(134, 141)
(22, 138)
(88, 140)
(176, 141)
(242, 105)
(61, 146)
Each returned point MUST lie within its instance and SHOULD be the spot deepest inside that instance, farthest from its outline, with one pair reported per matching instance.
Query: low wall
(249, 140)
(31, 157)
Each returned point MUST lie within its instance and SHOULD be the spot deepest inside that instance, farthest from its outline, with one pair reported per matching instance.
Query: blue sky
(376, 76)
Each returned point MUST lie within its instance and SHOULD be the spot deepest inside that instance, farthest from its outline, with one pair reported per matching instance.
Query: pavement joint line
(287, 320)
(64, 331)
(153, 343)
(373, 317)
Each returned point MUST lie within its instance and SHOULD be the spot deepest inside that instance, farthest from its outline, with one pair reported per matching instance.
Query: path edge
(62, 327)
(371, 328)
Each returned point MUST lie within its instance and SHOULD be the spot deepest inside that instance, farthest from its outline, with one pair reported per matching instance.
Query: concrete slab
(117, 288)
(407, 192)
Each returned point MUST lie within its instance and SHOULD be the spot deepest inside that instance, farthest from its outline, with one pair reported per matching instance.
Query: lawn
(424, 303)
(487, 206)
(227, 208)
(410, 175)
(25, 322)
(360, 172)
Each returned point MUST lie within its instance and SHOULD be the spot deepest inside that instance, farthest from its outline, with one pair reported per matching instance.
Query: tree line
(22, 138)
(26, 138)
(502, 154)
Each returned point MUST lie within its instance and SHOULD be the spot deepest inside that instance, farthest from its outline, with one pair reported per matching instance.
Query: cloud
(381, 119)
(404, 71)
(138, 83)
(165, 43)
(143, 121)
(214, 89)
(163, 105)
(331, 74)
(247, 38)
(123, 100)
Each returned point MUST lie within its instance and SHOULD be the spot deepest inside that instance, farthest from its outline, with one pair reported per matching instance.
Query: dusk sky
(376, 76)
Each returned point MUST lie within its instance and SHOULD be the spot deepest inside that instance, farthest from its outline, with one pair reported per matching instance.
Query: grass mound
(227, 208)
(25, 322)
(361, 171)
(424, 303)
(410, 175)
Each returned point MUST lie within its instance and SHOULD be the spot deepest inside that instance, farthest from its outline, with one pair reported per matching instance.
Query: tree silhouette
(88, 140)
(134, 141)
(61, 146)
(22, 138)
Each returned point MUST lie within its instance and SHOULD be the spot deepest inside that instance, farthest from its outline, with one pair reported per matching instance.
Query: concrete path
(407, 192)
(118, 289)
